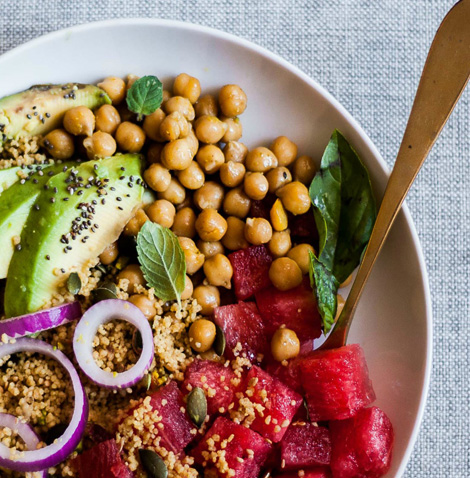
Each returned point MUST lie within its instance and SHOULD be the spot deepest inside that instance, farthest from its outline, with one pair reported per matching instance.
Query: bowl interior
(393, 322)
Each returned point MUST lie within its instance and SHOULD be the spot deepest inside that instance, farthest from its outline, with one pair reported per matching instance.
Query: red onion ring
(51, 455)
(100, 314)
(29, 324)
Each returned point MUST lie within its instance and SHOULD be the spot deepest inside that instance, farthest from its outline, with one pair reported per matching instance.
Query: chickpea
(166, 95)
(79, 121)
(206, 106)
(202, 335)
(210, 249)
(209, 129)
(285, 150)
(133, 274)
(188, 202)
(258, 231)
(175, 193)
(285, 344)
(209, 196)
(110, 254)
(135, 224)
(162, 212)
(300, 254)
(158, 177)
(152, 124)
(277, 178)
(107, 119)
(210, 158)
(130, 80)
(346, 282)
(99, 145)
(154, 153)
(146, 306)
(285, 274)
(260, 160)
(235, 151)
(174, 126)
(192, 177)
(339, 306)
(232, 174)
(295, 197)
(188, 289)
(256, 186)
(177, 154)
(211, 226)
(232, 100)
(237, 203)
(234, 238)
(185, 223)
(234, 129)
(181, 105)
(193, 142)
(278, 216)
(208, 297)
(280, 243)
(218, 270)
(115, 88)
(193, 256)
(187, 86)
(59, 144)
(304, 169)
(130, 137)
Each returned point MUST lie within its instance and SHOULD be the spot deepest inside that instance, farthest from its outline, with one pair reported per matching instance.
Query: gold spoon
(444, 77)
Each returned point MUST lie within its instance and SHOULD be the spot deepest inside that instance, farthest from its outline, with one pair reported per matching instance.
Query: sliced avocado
(10, 176)
(15, 205)
(93, 203)
(41, 108)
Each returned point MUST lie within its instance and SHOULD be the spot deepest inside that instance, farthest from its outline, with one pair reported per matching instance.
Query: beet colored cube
(295, 308)
(215, 379)
(273, 404)
(305, 445)
(242, 325)
(250, 270)
(232, 450)
(362, 445)
(336, 383)
(303, 228)
(316, 472)
(102, 461)
(263, 207)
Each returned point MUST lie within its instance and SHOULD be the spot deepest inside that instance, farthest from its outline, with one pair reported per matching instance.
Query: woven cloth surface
(369, 55)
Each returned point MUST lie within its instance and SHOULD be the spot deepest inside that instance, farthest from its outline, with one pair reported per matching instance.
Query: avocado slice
(15, 205)
(93, 203)
(10, 176)
(41, 108)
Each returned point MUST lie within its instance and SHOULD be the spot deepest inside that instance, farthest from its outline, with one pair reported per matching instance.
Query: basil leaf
(325, 287)
(344, 207)
(145, 96)
(162, 261)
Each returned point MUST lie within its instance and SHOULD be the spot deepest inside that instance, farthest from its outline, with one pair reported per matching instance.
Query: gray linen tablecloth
(369, 55)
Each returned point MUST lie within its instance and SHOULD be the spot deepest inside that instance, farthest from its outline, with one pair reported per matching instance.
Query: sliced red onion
(17, 327)
(100, 314)
(26, 433)
(52, 455)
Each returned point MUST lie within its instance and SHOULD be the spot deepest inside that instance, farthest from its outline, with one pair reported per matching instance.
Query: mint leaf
(325, 287)
(145, 96)
(162, 261)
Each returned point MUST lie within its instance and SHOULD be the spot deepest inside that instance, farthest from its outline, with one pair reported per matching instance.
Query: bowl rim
(264, 52)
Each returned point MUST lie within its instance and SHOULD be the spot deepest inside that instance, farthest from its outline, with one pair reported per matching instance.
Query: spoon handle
(444, 77)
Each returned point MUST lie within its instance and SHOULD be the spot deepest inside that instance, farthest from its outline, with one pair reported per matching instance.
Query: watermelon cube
(242, 325)
(362, 445)
(303, 228)
(267, 405)
(263, 207)
(288, 374)
(336, 383)
(102, 461)
(250, 270)
(316, 472)
(216, 381)
(305, 445)
(232, 450)
(295, 308)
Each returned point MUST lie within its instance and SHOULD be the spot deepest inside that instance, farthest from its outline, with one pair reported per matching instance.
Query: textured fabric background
(369, 55)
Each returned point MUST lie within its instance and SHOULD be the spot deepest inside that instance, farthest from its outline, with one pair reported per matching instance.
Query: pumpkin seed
(219, 342)
(137, 343)
(74, 284)
(102, 268)
(153, 464)
(105, 291)
(196, 406)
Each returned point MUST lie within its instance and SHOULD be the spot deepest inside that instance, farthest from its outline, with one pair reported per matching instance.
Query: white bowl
(393, 322)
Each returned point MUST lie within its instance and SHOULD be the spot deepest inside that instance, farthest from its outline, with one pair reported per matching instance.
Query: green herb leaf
(325, 286)
(145, 96)
(162, 261)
